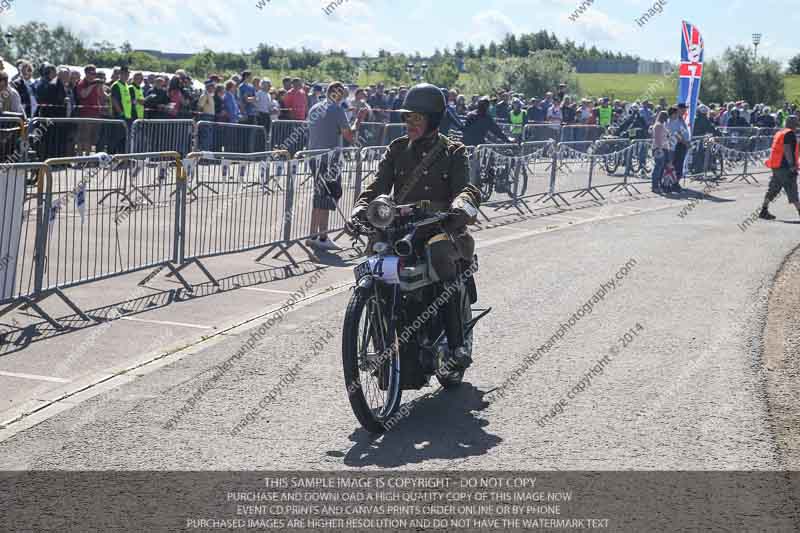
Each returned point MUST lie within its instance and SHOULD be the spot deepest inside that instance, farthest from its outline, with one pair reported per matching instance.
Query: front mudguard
(365, 284)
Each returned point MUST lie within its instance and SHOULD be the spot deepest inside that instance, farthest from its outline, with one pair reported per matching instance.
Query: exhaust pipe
(405, 247)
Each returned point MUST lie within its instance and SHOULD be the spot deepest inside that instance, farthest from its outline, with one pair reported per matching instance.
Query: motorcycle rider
(425, 166)
(450, 119)
(702, 127)
(636, 125)
(479, 122)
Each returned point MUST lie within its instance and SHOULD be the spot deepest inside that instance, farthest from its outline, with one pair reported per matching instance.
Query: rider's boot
(459, 358)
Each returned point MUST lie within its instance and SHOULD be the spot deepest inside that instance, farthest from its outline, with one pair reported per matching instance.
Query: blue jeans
(661, 158)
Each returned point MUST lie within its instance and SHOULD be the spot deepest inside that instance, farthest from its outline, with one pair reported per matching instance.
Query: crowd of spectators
(58, 91)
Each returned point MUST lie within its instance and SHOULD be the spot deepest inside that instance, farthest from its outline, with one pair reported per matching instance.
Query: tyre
(370, 361)
(487, 186)
(611, 164)
(521, 182)
(454, 379)
(717, 165)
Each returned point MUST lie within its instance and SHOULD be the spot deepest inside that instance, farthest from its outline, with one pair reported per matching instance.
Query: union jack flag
(691, 69)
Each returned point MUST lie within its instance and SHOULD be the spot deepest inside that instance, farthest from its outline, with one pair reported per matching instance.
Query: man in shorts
(327, 125)
(783, 161)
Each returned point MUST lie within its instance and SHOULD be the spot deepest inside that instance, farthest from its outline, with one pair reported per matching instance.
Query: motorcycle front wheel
(370, 360)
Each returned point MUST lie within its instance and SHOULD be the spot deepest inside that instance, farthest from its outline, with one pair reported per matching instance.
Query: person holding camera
(89, 102)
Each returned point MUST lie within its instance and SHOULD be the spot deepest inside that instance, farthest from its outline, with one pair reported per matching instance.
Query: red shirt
(297, 102)
(91, 106)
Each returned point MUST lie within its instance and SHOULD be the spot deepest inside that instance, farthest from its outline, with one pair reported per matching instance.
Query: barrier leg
(186, 285)
(33, 303)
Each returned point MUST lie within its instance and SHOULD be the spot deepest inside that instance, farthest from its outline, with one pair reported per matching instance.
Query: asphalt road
(686, 393)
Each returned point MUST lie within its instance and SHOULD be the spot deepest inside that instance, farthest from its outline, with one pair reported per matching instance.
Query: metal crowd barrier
(308, 189)
(739, 132)
(112, 217)
(78, 220)
(72, 137)
(394, 131)
(234, 203)
(290, 135)
(580, 133)
(23, 188)
(154, 135)
(13, 139)
(501, 174)
(371, 134)
(542, 132)
(227, 137)
(742, 160)
(370, 159)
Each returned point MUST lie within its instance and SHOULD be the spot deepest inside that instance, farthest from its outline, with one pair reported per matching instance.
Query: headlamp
(380, 213)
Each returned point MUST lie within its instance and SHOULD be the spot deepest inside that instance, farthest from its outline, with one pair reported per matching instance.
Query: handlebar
(357, 226)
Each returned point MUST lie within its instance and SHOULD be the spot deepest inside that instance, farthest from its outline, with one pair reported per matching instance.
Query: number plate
(386, 268)
(362, 270)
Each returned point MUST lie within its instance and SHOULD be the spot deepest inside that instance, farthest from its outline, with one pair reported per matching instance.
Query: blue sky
(415, 25)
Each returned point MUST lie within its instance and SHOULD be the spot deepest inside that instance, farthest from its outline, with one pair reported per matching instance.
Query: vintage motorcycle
(393, 336)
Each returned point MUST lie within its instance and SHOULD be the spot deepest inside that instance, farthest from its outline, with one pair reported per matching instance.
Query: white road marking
(531, 233)
(276, 291)
(221, 336)
(34, 377)
(165, 323)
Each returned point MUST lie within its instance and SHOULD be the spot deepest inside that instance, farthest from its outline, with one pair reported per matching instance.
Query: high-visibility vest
(517, 120)
(776, 157)
(125, 97)
(139, 101)
(604, 115)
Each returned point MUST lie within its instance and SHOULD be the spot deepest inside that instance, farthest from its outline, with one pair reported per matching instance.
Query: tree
(338, 68)
(443, 75)
(751, 80)
(714, 88)
(37, 42)
(533, 75)
(144, 61)
(794, 65)
(264, 54)
(200, 65)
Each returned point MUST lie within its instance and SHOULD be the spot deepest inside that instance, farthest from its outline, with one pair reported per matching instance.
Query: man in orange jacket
(783, 161)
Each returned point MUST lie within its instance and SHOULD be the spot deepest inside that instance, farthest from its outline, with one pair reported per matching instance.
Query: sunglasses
(413, 118)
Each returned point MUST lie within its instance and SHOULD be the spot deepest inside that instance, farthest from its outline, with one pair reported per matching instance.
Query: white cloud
(491, 25)
(595, 26)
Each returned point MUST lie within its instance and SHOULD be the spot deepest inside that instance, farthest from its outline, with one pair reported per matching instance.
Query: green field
(628, 86)
(634, 86)
(616, 86)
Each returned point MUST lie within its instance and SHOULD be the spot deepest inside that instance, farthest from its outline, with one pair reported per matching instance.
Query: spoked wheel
(638, 165)
(611, 164)
(487, 185)
(454, 379)
(520, 182)
(717, 165)
(371, 361)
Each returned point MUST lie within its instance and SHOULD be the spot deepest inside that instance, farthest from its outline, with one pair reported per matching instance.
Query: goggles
(413, 118)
